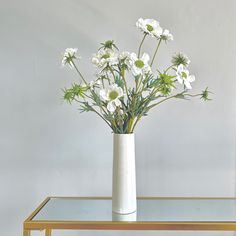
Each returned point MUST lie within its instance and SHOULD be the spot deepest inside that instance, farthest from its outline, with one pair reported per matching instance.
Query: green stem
(140, 116)
(153, 58)
(96, 113)
(108, 79)
(125, 84)
(130, 125)
(168, 68)
(155, 104)
(140, 46)
(139, 84)
(102, 117)
(79, 72)
(126, 88)
(135, 123)
(113, 74)
(192, 95)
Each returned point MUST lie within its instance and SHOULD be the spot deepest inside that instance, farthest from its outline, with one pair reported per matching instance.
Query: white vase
(124, 178)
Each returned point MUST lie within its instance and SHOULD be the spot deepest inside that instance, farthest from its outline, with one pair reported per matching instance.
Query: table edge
(119, 225)
(132, 225)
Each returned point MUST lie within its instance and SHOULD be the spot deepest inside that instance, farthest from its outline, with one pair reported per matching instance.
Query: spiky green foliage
(109, 44)
(180, 58)
(165, 83)
(75, 91)
(205, 95)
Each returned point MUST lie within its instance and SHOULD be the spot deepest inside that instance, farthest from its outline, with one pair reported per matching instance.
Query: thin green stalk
(126, 88)
(102, 117)
(153, 58)
(135, 123)
(130, 125)
(174, 96)
(193, 95)
(140, 46)
(103, 83)
(79, 72)
(139, 83)
(140, 116)
(96, 113)
(108, 78)
(155, 104)
(112, 72)
(123, 77)
(168, 68)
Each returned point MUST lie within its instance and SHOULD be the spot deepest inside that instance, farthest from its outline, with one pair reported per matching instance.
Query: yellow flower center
(113, 95)
(184, 75)
(139, 63)
(149, 28)
(105, 56)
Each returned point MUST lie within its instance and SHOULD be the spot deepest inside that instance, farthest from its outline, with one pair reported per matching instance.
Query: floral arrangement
(127, 86)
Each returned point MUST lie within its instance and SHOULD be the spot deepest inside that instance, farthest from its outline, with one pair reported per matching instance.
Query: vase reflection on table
(124, 217)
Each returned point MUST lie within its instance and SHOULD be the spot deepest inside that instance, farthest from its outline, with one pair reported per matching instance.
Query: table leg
(48, 232)
(26, 232)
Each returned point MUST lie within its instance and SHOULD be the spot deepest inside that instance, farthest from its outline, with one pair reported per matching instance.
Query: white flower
(139, 66)
(112, 95)
(149, 26)
(69, 56)
(104, 58)
(166, 35)
(183, 77)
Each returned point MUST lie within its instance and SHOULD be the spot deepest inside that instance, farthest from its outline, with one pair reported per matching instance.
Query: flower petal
(133, 56)
(103, 94)
(180, 68)
(120, 92)
(111, 107)
(187, 84)
(191, 78)
(179, 78)
(117, 102)
(145, 58)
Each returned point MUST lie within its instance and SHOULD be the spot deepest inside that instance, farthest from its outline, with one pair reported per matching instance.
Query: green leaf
(85, 107)
(119, 81)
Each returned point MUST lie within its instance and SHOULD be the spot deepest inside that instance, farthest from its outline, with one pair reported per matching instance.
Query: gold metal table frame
(31, 225)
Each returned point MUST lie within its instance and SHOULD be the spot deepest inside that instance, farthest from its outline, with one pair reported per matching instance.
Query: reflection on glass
(66, 209)
(124, 217)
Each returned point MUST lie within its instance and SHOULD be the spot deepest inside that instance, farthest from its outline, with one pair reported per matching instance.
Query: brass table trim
(132, 225)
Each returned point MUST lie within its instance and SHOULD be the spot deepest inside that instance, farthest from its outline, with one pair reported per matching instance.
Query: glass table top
(148, 210)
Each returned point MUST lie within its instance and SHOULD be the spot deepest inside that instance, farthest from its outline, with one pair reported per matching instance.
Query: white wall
(185, 148)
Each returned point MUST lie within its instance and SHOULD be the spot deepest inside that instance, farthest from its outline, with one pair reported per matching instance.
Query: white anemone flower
(183, 77)
(149, 26)
(69, 56)
(112, 95)
(104, 58)
(166, 35)
(139, 66)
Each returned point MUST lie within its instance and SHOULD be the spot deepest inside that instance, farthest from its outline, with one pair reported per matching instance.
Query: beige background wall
(185, 148)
